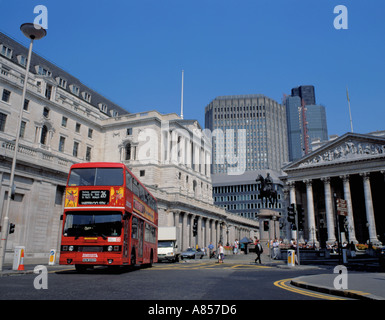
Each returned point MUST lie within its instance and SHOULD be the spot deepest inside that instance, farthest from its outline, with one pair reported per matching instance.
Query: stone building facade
(352, 168)
(66, 122)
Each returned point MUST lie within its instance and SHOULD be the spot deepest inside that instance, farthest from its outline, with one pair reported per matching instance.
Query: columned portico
(352, 168)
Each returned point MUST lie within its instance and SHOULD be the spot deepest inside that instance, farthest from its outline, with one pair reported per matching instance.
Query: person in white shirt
(221, 252)
(236, 246)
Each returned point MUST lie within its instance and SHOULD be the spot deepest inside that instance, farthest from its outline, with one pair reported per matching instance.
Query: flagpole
(350, 113)
(181, 99)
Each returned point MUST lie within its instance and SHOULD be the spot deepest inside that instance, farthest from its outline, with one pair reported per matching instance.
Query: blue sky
(133, 52)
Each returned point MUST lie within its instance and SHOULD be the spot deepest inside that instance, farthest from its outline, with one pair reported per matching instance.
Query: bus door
(126, 231)
(140, 238)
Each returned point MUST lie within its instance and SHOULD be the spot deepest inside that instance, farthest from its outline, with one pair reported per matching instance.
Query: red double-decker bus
(109, 218)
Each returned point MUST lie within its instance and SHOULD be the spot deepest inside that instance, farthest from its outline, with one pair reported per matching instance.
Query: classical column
(369, 208)
(292, 192)
(215, 233)
(199, 237)
(185, 233)
(177, 225)
(191, 236)
(310, 213)
(329, 211)
(207, 231)
(348, 198)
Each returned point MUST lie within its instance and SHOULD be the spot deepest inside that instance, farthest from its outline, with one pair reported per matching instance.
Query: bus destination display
(94, 197)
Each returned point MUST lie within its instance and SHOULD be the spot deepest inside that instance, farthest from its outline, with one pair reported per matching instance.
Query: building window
(48, 91)
(77, 127)
(45, 112)
(44, 132)
(75, 150)
(6, 52)
(60, 190)
(22, 60)
(3, 118)
(142, 173)
(43, 71)
(62, 83)
(64, 121)
(128, 152)
(74, 89)
(6, 95)
(22, 129)
(129, 131)
(90, 132)
(26, 104)
(88, 154)
(87, 96)
(61, 144)
(103, 107)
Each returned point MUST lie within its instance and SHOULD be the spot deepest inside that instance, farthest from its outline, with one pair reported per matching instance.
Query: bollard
(52, 257)
(290, 258)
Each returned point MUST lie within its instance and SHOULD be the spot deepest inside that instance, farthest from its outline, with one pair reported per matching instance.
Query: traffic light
(195, 227)
(11, 228)
(301, 217)
(265, 225)
(291, 213)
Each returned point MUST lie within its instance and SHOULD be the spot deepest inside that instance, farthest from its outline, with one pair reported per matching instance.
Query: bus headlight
(71, 248)
(109, 248)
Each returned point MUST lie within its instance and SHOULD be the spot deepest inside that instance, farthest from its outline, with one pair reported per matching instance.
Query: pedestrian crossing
(207, 265)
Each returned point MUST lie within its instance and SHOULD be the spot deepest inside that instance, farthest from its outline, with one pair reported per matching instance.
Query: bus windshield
(103, 224)
(96, 177)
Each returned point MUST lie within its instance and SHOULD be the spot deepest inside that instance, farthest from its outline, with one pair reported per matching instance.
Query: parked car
(191, 253)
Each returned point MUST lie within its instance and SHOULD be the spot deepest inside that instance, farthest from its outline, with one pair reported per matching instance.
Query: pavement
(350, 283)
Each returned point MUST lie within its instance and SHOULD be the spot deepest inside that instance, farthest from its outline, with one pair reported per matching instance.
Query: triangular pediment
(347, 148)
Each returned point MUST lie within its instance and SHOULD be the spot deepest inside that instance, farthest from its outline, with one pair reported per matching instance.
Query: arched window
(44, 132)
(195, 187)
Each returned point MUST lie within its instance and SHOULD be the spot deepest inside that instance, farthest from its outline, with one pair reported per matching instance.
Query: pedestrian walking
(221, 252)
(258, 251)
(211, 247)
(236, 246)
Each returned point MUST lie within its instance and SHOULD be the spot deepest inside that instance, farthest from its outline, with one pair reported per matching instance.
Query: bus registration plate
(89, 257)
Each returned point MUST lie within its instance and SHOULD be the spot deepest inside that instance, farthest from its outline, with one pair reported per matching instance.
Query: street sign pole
(297, 229)
(336, 206)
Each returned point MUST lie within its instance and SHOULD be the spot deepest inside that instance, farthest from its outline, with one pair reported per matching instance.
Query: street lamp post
(32, 32)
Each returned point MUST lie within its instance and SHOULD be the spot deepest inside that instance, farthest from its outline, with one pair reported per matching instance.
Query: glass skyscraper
(306, 121)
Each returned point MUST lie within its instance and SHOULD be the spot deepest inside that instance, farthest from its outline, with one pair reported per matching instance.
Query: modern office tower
(295, 128)
(249, 133)
(306, 121)
(307, 93)
(316, 123)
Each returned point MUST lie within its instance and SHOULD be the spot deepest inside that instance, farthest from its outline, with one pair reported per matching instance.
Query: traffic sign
(342, 207)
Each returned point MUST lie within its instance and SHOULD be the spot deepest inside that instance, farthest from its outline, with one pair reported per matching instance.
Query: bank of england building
(65, 122)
